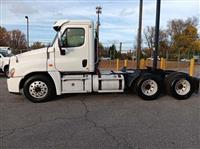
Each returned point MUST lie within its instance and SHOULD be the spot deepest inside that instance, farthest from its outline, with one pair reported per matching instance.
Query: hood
(33, 52)
(32, 55)
(31, 61)
(5, 58)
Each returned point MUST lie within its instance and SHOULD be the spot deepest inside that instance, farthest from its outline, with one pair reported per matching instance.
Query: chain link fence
(125, 56)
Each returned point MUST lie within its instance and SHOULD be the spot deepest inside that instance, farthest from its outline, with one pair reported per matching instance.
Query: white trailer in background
(69, 66)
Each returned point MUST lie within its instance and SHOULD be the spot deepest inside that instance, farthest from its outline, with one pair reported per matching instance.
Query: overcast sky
(119, 19)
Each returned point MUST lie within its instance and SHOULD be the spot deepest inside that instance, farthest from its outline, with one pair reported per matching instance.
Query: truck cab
(74, 47)
(69, 65)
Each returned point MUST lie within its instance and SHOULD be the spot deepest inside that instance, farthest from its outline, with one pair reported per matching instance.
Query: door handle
(84, 62)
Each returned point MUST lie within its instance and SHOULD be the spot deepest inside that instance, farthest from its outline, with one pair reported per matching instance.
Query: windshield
(54, 39)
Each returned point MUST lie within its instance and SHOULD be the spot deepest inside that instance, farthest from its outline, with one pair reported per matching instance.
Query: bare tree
(4, 37)
(37, 45)
(149, 33)
(17, 40)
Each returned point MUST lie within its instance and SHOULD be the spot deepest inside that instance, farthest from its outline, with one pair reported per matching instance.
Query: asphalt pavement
(98, 121)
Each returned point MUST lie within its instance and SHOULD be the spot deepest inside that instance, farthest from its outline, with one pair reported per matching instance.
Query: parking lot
(91, 121)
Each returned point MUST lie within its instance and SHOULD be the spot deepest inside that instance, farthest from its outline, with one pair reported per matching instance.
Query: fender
(130, 78)
(55, 75)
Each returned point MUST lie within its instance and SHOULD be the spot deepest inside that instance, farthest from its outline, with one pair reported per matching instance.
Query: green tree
(113, 52)
(103, 52)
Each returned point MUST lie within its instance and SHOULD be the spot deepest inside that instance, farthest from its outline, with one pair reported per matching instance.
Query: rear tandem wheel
(179, 85)
(148, 87)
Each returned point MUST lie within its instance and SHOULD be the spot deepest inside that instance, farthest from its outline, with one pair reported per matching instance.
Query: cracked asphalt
(98, 121)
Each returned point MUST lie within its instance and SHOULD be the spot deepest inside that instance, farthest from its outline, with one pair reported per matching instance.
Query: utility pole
(98, 12)
(155, 52)
(27, 29)
(139, 34)
(120, 47)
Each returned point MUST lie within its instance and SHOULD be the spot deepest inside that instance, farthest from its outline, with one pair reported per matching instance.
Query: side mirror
(62, 52)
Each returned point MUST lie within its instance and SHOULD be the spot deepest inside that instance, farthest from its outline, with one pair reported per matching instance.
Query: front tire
(39, 88)
(148, 87)
(6, 71)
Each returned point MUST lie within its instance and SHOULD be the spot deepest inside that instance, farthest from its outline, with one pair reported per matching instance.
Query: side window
(73, 37)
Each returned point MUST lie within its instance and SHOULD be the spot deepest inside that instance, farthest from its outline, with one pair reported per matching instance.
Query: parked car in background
(185, 60)
(6, 49)
(4, 61)
(105, 58)
(151, 58)
(196, 58)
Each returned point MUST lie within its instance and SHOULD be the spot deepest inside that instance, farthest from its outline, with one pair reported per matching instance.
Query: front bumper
(14, 84)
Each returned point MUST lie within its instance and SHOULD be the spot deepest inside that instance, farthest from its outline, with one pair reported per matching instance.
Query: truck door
(1, 61)
(74, 41)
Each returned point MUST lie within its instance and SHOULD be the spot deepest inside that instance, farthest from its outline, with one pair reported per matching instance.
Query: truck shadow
(84, 96)
(2, 75)
(105, 96)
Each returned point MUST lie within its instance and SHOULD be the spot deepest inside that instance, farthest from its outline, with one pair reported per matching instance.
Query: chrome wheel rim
(38, 89)
(149, 87)
(182, 87)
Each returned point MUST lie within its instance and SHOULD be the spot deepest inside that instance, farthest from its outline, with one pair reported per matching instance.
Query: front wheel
(39, 88)
(148, 87)
(6, 71)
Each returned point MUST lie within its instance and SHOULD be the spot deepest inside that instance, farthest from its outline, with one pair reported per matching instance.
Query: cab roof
(58, 24)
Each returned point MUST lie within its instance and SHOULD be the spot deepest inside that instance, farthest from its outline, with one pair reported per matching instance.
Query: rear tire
(179, 85)
(39, 88)
(148, 87)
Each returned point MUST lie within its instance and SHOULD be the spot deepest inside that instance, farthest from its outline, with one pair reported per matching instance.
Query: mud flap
(196, 82)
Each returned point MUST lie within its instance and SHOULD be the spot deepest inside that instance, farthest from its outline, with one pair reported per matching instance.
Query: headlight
(11, 72)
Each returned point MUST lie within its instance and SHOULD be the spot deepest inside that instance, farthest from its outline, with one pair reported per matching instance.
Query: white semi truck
(69, 65)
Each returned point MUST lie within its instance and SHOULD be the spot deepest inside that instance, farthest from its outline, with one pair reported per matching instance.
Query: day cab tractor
(70, 65)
